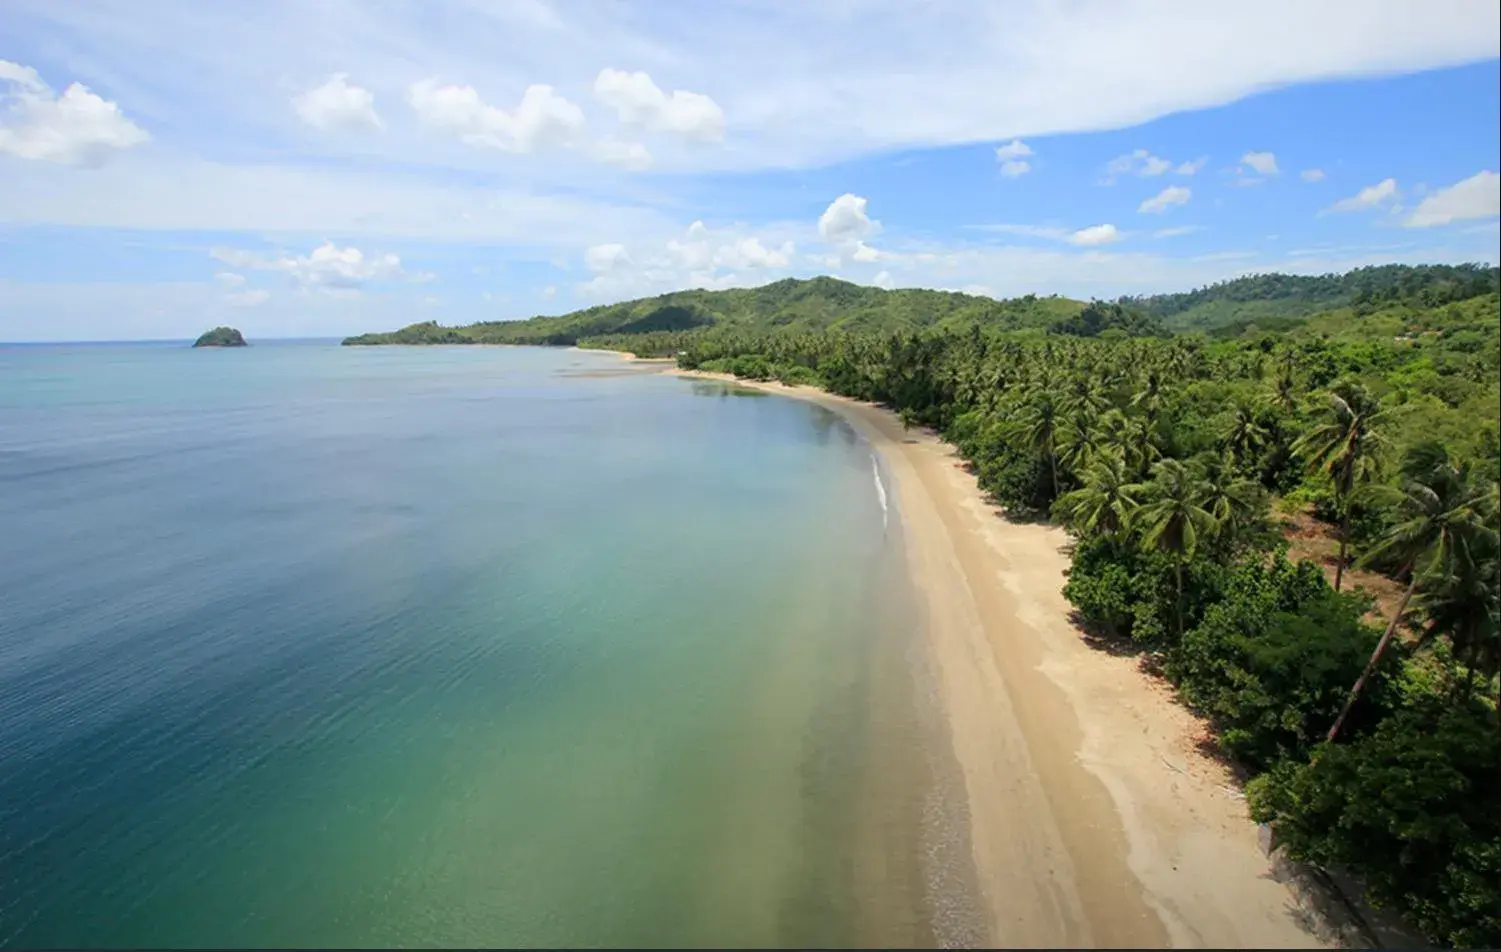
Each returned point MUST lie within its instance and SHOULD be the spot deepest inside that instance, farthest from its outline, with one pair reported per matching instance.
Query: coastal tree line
(1370, 732)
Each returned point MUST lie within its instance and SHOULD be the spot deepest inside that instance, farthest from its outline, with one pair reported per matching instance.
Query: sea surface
(303, 645)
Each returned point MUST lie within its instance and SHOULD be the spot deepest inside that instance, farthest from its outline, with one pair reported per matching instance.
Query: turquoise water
(309, 645)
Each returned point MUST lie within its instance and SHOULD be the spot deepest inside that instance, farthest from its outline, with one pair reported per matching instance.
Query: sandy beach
(1095, 819)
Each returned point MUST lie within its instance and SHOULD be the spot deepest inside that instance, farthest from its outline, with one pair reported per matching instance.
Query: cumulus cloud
(640, 102)
(1311, 175)
(75, 128)
(606, 257)
(697, 257)
(883, 279)
(542, 119)
(1094, 236)
(1012, 157)
(1165, 199)
(1372, 196)
(845, 220)
(1478, 196)
(337, 104)
(1191, 167)
(1265, 163)
(327, 267)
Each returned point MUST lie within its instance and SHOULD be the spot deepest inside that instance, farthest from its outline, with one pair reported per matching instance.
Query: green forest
(1179, 438)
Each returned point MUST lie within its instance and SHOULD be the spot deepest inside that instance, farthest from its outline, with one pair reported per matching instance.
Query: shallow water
(309, 645)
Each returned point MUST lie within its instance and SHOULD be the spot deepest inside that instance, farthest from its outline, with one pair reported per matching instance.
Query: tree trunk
(1344, 543)
(1178, 606)
(1053, 462)
(1370, 666)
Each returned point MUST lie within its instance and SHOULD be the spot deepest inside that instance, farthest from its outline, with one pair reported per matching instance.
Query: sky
(304, 168)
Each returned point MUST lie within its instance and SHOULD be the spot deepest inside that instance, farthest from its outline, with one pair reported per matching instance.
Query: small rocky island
(221, 337)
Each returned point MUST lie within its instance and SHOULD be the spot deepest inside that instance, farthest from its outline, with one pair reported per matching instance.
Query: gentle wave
(875, 471)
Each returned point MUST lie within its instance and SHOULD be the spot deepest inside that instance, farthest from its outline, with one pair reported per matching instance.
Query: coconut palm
(1244, 436)
(1449, 520)
(1105, 503)
(1233, 501)
(1347, 447)
(1039, 427)
(1174, 519)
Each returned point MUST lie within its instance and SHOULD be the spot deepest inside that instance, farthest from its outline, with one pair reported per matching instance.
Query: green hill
(805, 305)
(1277, 301)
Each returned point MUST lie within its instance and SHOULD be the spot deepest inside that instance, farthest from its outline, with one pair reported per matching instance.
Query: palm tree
(1347, 447)
(1039, 429)
(1465, 604)
(1448, 520)
(1080, 440)
(1244, 435)
(1174, 520)
(1232, 500)
(1105, 504)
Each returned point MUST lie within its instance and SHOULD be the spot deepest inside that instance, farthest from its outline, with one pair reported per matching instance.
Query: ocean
(303, 645)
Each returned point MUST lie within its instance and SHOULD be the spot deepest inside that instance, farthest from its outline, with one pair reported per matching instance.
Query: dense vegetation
(1282, 299)
(813, 305)
(1373, 742)
(220, 337)
(1369, 399)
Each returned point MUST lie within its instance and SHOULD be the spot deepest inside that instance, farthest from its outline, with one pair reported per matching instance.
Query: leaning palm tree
(1174, 519)
(1346, 446)
(1104, 505)
(1449, 518)
(1464, 605)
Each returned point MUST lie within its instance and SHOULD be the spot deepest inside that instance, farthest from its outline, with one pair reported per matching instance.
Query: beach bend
(1094, 819)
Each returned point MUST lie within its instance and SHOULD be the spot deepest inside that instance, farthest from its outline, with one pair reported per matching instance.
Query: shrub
(1411, 809)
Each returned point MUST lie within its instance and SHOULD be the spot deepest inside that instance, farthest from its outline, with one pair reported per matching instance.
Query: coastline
(1095, 818)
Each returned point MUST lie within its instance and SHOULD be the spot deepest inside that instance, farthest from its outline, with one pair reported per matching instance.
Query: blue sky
(321, 168)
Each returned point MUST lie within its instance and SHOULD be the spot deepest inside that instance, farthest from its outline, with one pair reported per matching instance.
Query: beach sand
(1095, 819)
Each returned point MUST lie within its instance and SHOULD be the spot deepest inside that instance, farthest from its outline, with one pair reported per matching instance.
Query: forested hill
(809, 305)
(1268, 302)
(1278, 301)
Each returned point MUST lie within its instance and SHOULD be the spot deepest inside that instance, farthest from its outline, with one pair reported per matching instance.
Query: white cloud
(865, 254)
(749, 253)
(1143, 163)
(601, 258)
(1159, 203)
(845, 220)
(1094, 236)
(1015, 149)
(1372, 196)
(75, 128)
(1311, 175)
(627, 155)
(1265, 163)
(883, 279)
(1191, 167)
(337, 105)
(549, 292)
(1012, 157)
(639, 102)
(1478, 196)
(543, 118)
(1155, 165)
(327, 267)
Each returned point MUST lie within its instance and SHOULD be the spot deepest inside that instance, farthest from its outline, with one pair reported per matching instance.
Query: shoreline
(1095, 818)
